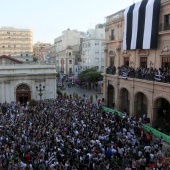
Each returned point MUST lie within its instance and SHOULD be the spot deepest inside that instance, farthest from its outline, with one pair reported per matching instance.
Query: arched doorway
(141, 106)
(23, 93)
(110, 96)
(162, 115)
(124, 100)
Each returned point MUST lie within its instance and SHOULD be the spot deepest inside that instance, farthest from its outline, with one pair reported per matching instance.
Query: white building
(67, 49)
(18, 82)
(93, 48)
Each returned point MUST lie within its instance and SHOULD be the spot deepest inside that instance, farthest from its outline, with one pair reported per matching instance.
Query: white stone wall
(31, 75)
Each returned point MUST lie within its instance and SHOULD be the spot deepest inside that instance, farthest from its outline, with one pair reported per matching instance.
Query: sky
(48, 18)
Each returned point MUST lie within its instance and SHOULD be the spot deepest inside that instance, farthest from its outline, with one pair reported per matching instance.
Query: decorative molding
(143, 52)
(165, 51)
(126, 53)
(112, 53)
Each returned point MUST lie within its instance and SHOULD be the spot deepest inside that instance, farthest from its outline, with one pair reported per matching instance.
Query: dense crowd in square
(74, 134)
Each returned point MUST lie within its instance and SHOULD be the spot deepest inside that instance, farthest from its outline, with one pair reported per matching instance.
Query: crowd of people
(151, 74)
(74, 134)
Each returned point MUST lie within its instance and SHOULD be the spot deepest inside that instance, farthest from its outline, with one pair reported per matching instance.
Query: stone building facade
(137, 95)
(18, 82)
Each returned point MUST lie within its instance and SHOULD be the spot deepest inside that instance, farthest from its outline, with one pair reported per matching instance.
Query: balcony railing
(132, 73)
(163, 27)
(112, 37)
(115, 16)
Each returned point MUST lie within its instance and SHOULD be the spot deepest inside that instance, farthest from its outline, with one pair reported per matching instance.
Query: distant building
(16, 42)
(93, 48)
(41, 50)
(67, 51)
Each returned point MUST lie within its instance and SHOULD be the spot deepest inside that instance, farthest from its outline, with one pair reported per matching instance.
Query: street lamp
(40, 89)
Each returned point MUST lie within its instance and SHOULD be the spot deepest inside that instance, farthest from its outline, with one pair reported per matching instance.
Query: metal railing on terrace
(164, 27)
(115, 16)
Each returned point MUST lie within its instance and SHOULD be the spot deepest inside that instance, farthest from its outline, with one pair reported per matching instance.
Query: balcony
(138, 74)
(163, 27)
(112, 38)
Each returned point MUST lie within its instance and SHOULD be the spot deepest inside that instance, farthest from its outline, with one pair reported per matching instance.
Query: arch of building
(124, 97)
(23, 92)
(140, 104)
(161, 113)
(110, 95)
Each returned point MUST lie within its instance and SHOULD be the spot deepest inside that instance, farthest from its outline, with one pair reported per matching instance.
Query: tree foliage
(90, 75)
(35, 59)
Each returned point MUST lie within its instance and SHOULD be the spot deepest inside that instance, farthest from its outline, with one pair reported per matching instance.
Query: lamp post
(40, 89)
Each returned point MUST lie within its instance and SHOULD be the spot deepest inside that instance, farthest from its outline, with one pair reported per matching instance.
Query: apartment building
(16, 42)
(145, 88)
(67, 51)
(93, 48)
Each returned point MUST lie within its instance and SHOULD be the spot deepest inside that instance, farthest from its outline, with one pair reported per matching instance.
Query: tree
(90, 75)
(35, 59)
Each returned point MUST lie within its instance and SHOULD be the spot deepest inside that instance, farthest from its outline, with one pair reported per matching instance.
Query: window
(69, 53)
(166, 62)
(70, 70)
(112, 61)
(9, 46)
(143, 62)
(97, 60)
(96, 43)
(97, 68)
(103, 43)
(167, 22)
(70, 61)
(96, 51)
(126, 61)
(112, 37)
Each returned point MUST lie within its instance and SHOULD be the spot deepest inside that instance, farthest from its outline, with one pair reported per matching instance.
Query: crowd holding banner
(74, 134)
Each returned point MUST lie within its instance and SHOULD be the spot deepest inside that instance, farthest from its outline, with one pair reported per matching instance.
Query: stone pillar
(150, 113)
(117, 96)
(3, 92)
(105, 88)
(132, 102)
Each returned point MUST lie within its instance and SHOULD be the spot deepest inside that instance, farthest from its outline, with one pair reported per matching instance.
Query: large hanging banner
(141, 25)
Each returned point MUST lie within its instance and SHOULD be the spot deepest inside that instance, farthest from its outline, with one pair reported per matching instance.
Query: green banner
(157, 133)
(147, 128)
(111, 110)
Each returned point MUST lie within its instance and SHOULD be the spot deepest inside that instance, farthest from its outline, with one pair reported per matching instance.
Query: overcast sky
(48, 18)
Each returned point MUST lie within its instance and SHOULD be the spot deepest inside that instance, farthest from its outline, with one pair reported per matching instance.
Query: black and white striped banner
(141, 25)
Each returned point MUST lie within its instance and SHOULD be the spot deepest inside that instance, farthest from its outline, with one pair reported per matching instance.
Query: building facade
(21, 82)
(93, 48)
(139, 93)
(16, 42)
(41, 50)
(67, 51)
